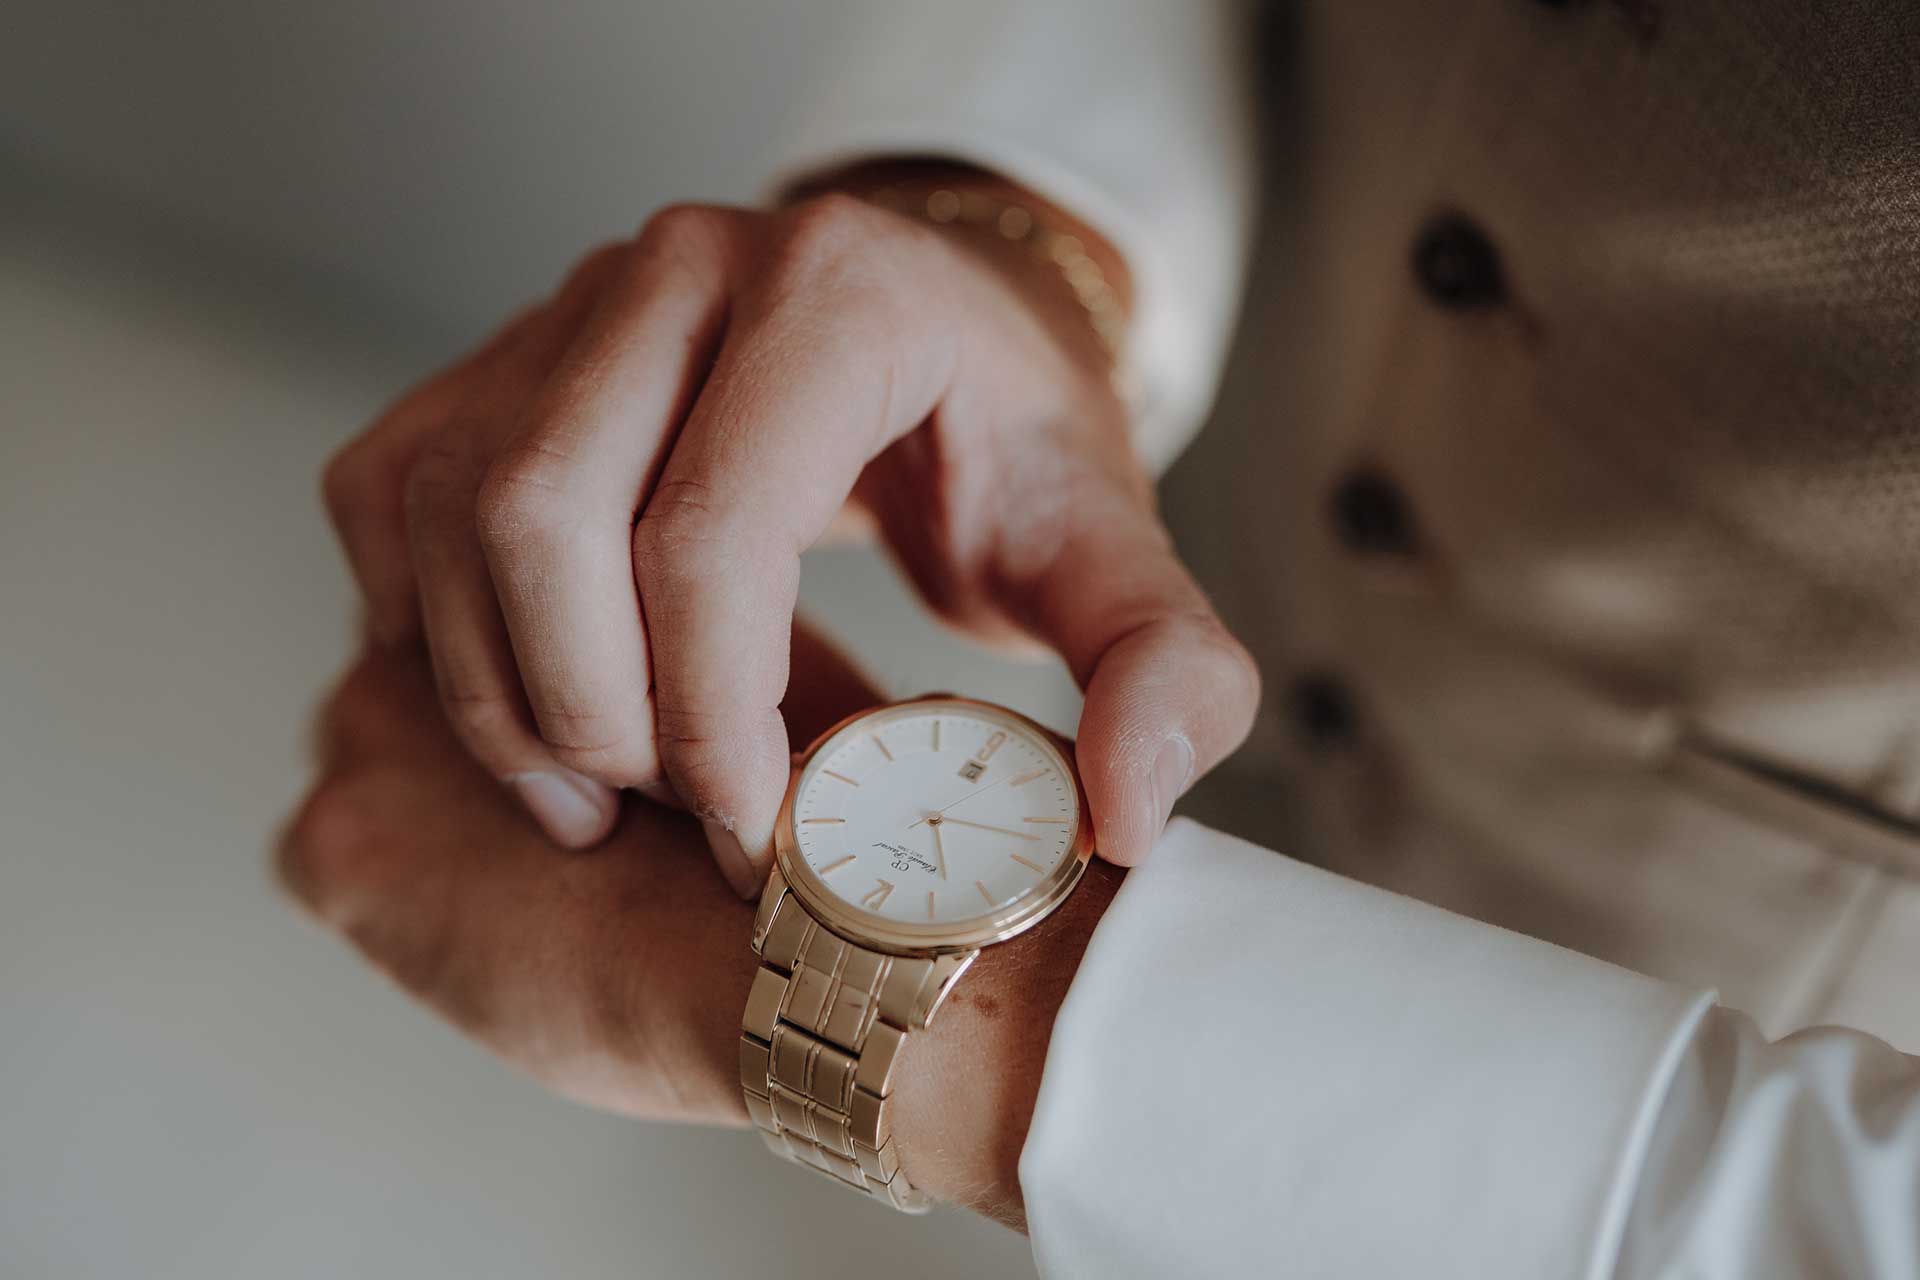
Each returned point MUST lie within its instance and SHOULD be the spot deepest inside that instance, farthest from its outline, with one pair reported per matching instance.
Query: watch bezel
(899, 937)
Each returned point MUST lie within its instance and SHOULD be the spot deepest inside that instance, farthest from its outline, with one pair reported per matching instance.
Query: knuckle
(829, 269)
(619, 762)
(344, 482)
(438, 474)
(826, 232)
(702, 761)
(1226, 670)
(604, 745)
(594, 267)
(681, 534)
(522, 498)
(484, 722)
(715, 755)
(341, 865)
(324, 852)
(682, 230)
(830, 223)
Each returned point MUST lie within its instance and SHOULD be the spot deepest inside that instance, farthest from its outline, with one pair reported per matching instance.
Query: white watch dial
(935, 813)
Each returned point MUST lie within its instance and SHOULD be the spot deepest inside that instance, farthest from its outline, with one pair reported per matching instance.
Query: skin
(594, 522)
(616, 977)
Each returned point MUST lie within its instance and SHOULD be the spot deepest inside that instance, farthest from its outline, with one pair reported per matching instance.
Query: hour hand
(1005, 831)
(939, 852)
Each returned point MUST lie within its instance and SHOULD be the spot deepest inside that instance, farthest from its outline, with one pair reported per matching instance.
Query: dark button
(1322, 709)
(1370, 514)
(1457, 265)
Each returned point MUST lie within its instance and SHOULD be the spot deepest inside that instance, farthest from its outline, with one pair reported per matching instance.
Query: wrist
(968, 1082)
(1062, 271)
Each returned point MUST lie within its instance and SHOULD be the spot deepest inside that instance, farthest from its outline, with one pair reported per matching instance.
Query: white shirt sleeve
(1263, 1069)
(1138, 115)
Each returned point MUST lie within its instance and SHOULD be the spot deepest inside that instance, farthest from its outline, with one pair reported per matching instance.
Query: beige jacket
(1583, 546)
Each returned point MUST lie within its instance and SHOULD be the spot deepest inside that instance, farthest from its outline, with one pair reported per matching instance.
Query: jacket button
(1457, 265)
(1322, 710)
(1370, 514)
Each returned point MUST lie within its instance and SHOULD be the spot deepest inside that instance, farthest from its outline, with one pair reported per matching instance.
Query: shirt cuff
(1261, 1065)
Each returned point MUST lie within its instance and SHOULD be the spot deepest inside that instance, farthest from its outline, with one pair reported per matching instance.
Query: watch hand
(962, 800)
(1005, 831)
(938, 851)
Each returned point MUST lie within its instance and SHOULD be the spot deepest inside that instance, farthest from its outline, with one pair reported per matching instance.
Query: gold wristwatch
(912, 836)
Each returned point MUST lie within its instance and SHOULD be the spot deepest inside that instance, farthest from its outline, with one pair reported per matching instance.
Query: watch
(912, 836)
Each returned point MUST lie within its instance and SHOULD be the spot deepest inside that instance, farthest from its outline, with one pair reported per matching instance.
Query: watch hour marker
(843, 777)
(1031, 866)
(883, 746)
(1027, 777)
(835, 866)
(1061, 821)
(936, 733)
(812, 821)
(983, 893)
(929, 904)
(877, 896)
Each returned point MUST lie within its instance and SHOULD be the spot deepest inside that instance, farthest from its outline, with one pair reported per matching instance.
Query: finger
(557, 506)
(822, 366)
(364, 483)
(1169, 691)
(473, 663)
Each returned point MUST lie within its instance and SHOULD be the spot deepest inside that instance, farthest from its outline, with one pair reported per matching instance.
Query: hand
(617, 978)
(597, 518)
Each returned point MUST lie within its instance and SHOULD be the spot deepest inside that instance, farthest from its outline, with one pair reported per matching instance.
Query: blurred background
(229, 232)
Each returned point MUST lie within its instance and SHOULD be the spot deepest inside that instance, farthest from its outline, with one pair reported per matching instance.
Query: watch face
(935, 822)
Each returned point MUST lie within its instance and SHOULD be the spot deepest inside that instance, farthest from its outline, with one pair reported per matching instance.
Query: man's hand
(618, 977)
(597, 518)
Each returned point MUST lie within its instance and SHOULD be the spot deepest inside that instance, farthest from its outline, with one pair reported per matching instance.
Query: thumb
(1169, 691)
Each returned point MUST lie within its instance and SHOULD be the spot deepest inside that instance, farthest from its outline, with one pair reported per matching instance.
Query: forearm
(1077, 316)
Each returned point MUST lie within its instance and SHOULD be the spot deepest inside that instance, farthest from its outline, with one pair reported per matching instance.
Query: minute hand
(962, 800)
(1005, 831)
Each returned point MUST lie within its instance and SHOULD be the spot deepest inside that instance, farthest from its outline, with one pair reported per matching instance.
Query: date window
(972, 770)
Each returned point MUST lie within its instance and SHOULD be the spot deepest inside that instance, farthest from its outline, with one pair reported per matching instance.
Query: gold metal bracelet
(1015, 223)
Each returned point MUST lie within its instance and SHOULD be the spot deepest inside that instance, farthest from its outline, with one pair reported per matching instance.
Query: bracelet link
(817, 1053)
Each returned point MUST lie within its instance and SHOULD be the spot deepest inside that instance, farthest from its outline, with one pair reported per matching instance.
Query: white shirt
(1265, 1069)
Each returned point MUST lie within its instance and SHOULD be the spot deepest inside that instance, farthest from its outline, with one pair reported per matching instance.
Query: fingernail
(735, 865)
(575, 811)
(1172, 770)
